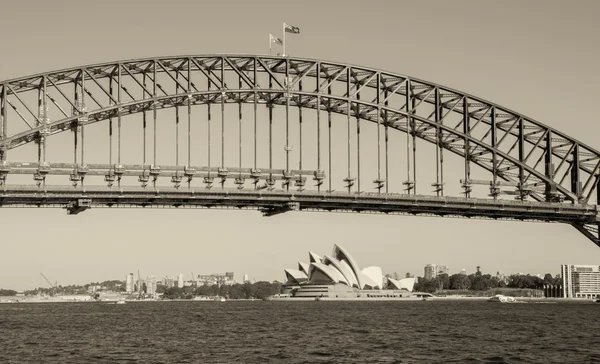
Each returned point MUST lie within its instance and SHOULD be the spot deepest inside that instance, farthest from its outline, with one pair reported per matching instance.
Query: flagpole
(284, 39)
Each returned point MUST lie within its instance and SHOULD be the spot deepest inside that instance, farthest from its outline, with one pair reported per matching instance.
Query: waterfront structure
(180, 282)
(553, 290)
(433, 270)
(129, 283)
(580, 281)
(76, 297)
(338, 276)
(489, 138)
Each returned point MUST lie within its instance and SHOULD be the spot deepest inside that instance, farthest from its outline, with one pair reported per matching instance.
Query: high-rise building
(129, 283)
(151, 285)
(580, 281)
(246, 279)
(140, 286)
(180, 281)
(434, 270)
(430, 271)
(443, 269)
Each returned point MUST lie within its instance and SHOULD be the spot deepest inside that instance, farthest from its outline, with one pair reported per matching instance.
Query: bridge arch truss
(536, 165)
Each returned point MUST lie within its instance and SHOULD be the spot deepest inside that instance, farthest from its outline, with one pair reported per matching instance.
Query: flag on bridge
(291, 29)
(275, 39)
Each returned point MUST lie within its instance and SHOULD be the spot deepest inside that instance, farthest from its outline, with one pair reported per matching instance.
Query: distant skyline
(538, 58)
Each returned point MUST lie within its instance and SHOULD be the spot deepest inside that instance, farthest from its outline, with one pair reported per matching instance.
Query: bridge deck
(272, 202)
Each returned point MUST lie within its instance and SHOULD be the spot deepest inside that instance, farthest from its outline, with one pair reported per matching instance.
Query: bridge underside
(272, 202)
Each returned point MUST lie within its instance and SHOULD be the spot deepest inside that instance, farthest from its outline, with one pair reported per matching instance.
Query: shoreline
(324, 299)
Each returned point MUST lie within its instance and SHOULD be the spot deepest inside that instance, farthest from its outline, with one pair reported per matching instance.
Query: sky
(538, 58)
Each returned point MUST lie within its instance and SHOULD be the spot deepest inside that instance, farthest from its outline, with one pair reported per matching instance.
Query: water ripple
(299, 332)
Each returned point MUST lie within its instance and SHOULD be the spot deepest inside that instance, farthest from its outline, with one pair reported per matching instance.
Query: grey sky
(538, 58)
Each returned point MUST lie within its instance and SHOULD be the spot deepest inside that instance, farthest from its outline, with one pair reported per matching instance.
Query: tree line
(110, 285)
(257, 290)
(483, 282)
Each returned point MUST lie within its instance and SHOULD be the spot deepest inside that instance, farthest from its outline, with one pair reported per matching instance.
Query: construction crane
(53, 287)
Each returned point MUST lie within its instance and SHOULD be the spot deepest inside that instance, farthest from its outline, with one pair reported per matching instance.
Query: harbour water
(300, 332)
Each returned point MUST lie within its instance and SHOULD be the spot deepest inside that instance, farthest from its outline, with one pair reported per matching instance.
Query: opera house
(339, 276)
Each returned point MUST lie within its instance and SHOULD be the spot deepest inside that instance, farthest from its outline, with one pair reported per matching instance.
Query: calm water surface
(300, 332)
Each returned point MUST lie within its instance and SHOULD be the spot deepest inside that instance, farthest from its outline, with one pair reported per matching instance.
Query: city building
(580, 281)
(430, 271)
(180, 281)
(169, 282)
(463, 272)
(246, 279)
(434, 270)
(339, 276)
(140, 285)
(151, 285)
(129, 283)
(443, 269)
(216, 278)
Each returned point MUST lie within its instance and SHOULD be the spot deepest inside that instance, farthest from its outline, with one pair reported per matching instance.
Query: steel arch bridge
(295, 121)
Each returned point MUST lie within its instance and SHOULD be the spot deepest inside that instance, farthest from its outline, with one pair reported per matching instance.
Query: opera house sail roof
(341, 268)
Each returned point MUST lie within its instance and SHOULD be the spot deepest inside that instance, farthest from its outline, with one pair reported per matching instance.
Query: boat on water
(9, 301)
(220, 299)
(121, 302)
(502, 299)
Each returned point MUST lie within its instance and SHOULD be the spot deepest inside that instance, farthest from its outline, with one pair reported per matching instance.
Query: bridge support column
(575, 181)
(550, 192)
(410, 104)
(3, 122)
(521, 184)
(467, 131)
(439, 150)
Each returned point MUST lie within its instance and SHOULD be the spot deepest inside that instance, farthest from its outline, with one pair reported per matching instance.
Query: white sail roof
(344, 269)
(320, 273)
(342, 255)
